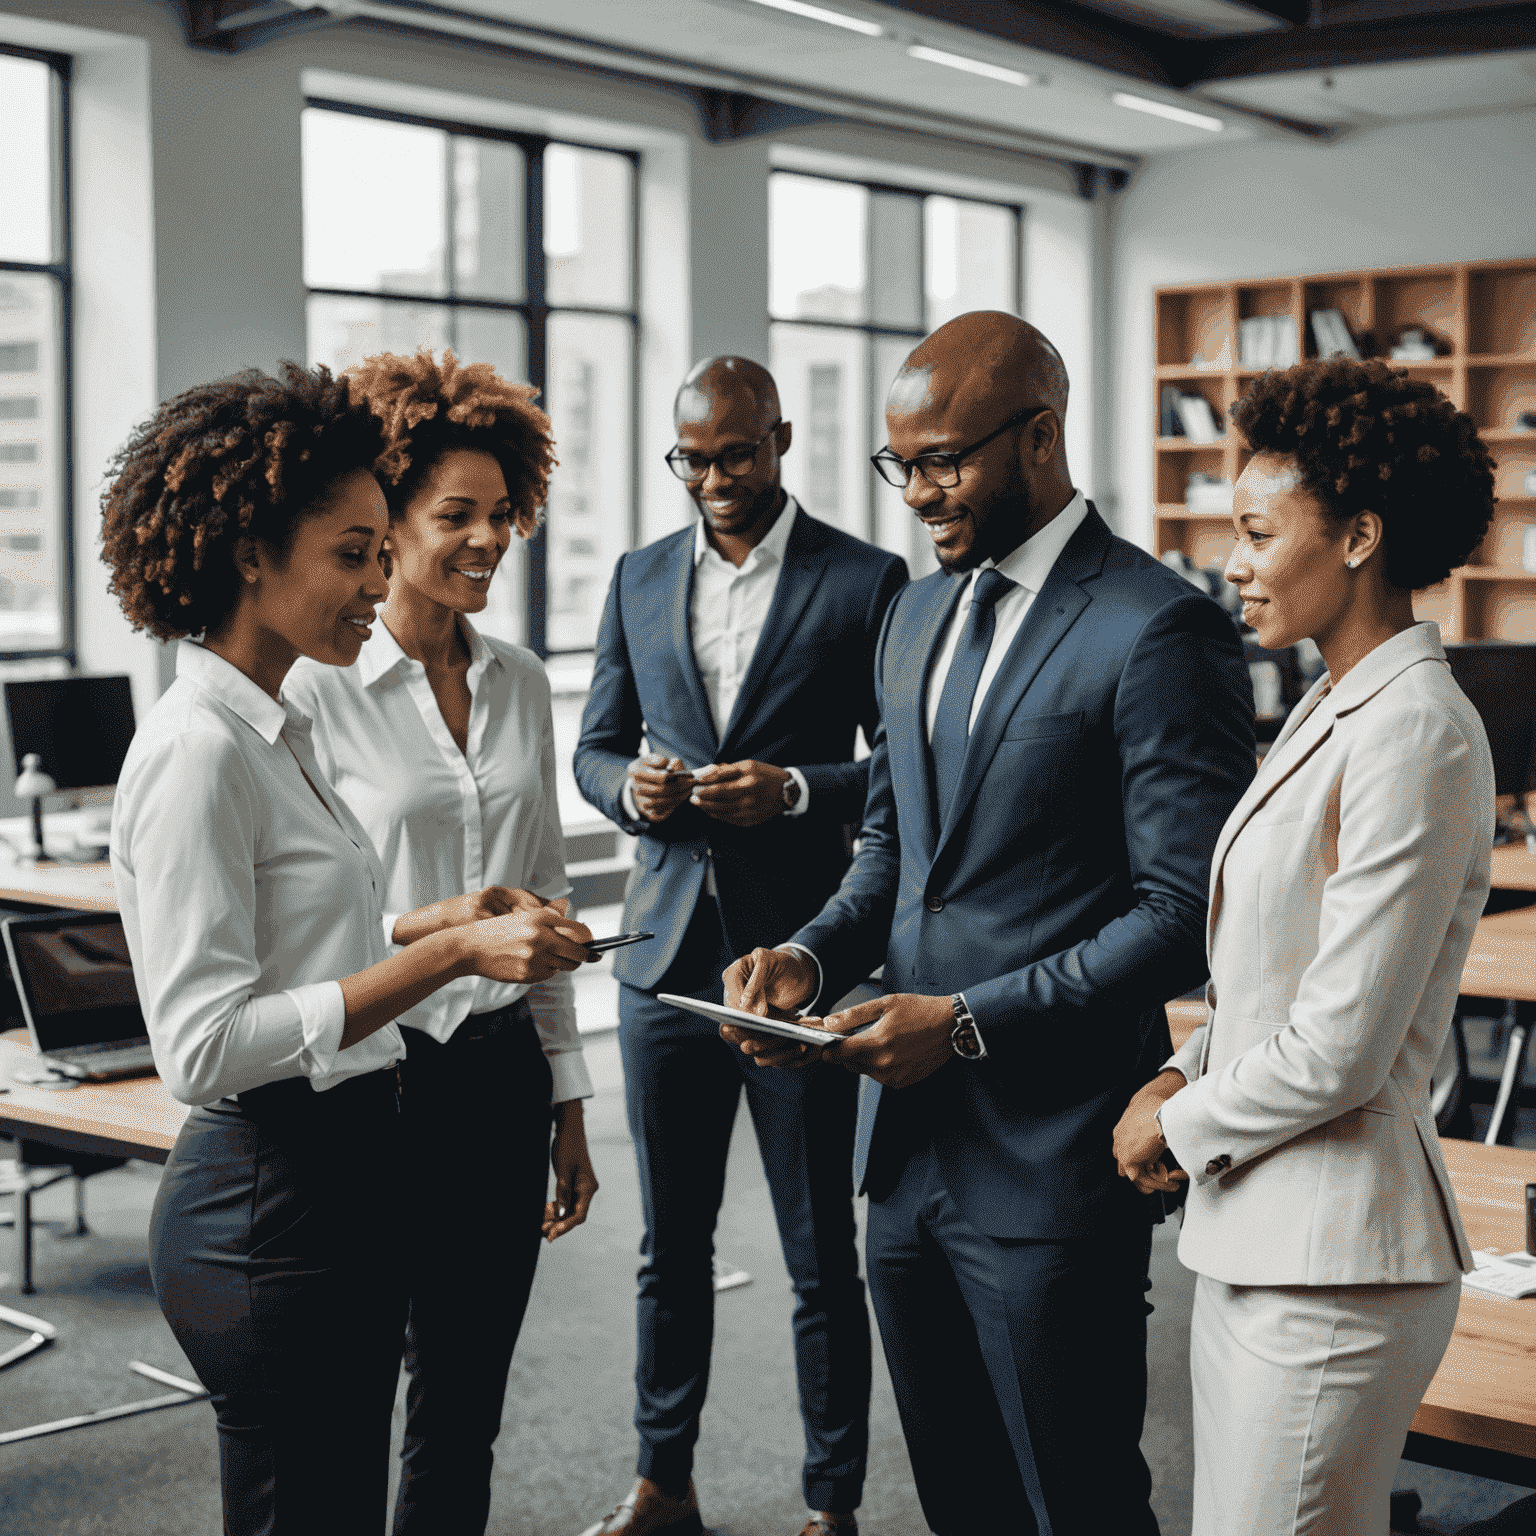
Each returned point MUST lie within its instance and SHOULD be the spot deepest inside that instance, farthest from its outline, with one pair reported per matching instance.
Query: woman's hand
(575, 1182)
(525, 945)
(493, 901)
(1139, 1142)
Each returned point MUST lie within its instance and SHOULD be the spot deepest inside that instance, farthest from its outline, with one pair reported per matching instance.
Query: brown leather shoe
(824, 1522)
(647, 1511)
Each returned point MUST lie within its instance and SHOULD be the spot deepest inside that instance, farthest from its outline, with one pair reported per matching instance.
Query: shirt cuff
(980, 1038)
(627, 800)
(800, 949)
(571, 1078)
(803, 804)
(390, 919)
(322, 1018)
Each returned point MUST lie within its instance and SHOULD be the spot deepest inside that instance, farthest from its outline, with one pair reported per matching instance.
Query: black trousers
(1019, 1367)
(682, 1086)
(477, 1122)
(273, 1248)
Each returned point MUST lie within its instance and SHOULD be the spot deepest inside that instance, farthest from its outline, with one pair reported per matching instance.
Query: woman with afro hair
(1345, 888)
(441, 741)
(245, 522)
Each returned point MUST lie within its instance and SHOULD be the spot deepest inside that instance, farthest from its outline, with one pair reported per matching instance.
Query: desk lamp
(32, 785)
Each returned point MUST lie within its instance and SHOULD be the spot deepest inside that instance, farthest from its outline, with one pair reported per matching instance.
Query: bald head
(721, 386)
(986, 363)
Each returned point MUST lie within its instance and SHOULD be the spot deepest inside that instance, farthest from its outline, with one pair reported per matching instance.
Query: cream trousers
(1303, 1395)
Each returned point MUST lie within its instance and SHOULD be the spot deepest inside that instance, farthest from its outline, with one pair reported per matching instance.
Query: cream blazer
(1345, 888)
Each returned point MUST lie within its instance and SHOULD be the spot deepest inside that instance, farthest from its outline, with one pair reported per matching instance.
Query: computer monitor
(1499, 677)
(79, 726)
(75, 980)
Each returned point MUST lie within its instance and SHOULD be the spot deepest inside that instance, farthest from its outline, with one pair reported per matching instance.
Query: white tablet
(806, 1034)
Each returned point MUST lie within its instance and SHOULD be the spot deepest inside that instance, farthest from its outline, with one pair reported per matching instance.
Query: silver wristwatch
(963, 1039)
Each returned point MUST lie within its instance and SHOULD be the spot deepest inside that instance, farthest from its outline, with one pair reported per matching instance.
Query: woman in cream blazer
(1345, 889)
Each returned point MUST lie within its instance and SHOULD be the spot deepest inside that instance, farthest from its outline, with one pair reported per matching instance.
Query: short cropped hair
(1368, 438)
(428, 409)
(247, 456)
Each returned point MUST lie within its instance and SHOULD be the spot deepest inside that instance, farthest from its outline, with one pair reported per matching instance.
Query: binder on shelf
(1168, 423)
(1268, 341)
(1197, 420)
(1331, 334)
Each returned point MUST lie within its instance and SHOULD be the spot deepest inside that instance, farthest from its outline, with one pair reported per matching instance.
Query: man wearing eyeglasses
(1066, 724)
(742, 649)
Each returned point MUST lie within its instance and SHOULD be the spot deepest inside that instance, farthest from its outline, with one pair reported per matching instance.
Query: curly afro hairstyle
(428, 409)
(1367, 438)
(247, 456)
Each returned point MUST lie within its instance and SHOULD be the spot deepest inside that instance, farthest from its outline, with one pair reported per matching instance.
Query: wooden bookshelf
(1485, 310)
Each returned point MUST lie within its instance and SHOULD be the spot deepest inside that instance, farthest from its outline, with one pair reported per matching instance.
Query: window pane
(31, 478)
(592, 410)
(896, 526)
(491, 336)
(345, 331)
(26, 163)
(972, 251)
(824, 391)
(374, 204)
(487, 219)
(895, 246)
(588, 223)
(816, 236)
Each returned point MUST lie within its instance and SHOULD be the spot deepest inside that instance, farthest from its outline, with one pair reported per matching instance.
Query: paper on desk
(1512, 1275)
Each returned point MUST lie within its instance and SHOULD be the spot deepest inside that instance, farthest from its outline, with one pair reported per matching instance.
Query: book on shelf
(1331, 333)
(1268, 341)
(1208, 493)
(1168, 423)
(1196, 417)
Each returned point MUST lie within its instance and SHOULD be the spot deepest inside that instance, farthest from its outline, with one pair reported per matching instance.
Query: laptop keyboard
(113, 1059)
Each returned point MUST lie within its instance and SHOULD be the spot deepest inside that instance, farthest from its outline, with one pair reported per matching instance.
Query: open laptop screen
(75, 979)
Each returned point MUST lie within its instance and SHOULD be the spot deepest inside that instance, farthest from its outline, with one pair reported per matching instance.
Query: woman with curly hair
(441, 740)
(245, 513)
(1345, 888)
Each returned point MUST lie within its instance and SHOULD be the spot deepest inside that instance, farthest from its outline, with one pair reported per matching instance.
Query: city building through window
(36, 485)
(513, 250)
(859, 274)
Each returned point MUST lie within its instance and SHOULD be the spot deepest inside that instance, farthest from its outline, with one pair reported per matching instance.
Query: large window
(36, 524)
(859, 273)
(513, 250)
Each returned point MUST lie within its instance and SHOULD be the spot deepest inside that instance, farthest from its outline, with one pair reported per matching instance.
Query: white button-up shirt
(245, 899)
(447, 823)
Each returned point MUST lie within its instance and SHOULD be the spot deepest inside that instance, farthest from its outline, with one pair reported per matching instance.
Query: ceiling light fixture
(970, 66)
(1166, 109)
(831, 18)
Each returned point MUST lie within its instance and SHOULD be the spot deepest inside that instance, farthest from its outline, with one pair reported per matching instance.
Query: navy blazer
(809, 685)
(1065, 893)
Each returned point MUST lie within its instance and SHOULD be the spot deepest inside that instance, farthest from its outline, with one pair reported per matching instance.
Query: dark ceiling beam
(727, 116)
(231, 26)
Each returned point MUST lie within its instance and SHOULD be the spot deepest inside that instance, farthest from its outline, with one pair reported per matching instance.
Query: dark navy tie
(952, 724)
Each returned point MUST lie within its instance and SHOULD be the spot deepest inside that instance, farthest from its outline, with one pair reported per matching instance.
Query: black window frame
(61, 271)
(872, 330)
(533, 307)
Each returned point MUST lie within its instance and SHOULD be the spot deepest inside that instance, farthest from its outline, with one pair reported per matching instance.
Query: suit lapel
(682, 642)
(906, 700)
(804, 565)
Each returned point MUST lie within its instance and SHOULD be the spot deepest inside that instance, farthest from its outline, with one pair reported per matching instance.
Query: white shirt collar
(770, 547)
(232, 688)
(383, 653)
(1034, 559)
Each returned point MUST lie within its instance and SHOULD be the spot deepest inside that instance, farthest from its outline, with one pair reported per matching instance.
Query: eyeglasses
(941, 469)
(734, 461)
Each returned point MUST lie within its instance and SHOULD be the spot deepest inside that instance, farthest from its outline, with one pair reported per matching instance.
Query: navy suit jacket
(809, 685)
(1065, 893)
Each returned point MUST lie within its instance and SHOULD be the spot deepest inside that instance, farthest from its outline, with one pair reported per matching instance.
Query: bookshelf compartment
(1513, 464)
(1441, 603)
(1503, 306)
(1496, 396)
(1205, 540)
(1194, 322)
(1176, 465)
(1503, 545)
(1424, 299)
(1502, 609)
(1352, 298)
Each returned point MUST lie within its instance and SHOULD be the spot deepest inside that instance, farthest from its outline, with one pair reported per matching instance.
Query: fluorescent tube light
(970, 66)
(831, 18)
(1166, 109)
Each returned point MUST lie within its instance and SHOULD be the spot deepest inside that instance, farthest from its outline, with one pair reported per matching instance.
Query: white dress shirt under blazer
(245, 899)
(447, 823)
(1345, 889)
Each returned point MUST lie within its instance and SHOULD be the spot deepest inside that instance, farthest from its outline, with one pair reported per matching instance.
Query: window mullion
(538, 375)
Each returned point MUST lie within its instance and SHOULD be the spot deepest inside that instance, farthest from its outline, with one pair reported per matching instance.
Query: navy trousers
(1019, 1366)
(683, 1085)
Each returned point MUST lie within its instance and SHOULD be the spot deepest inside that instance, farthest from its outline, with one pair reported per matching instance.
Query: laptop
(75, 982)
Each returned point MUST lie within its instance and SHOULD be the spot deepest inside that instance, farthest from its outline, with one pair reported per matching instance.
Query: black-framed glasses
(737, 460)
(941, 469)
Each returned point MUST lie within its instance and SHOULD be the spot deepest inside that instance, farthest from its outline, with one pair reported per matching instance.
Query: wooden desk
(1479, 1415)
(1513, 868)
(135, 1117)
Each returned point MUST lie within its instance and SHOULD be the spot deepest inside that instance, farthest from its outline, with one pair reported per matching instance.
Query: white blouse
(243, 898)
(446, 822)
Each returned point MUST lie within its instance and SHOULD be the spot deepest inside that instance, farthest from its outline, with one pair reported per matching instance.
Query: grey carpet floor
(566, 1452)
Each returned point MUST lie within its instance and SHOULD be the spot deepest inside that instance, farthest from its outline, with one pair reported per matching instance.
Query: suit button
(935, 903)
(697, 855)
(1218, 1165)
